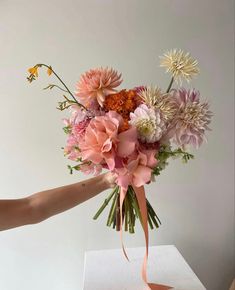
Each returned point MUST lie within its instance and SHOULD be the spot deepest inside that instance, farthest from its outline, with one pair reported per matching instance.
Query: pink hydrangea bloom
(95, 84)
(91, 168)
(77, 125)
(76, 136)
(192, 119)
(78, 130)
(102, 141)
(70, 148)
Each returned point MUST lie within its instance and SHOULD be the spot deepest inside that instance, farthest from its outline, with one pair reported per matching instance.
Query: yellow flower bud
(49, 70)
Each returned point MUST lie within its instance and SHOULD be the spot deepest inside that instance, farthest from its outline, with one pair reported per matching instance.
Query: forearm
(42, 205)
(51, 202)
(14, 213)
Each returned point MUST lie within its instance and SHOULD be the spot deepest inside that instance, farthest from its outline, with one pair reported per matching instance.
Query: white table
(109, 270)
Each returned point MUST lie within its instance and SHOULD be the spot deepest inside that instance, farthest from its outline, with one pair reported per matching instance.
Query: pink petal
(109, 158)
(141, 176)
(127, 142)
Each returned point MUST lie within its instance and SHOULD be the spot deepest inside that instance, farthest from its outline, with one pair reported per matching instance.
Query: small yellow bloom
(49, 70)
(33, 71)
(180, 64)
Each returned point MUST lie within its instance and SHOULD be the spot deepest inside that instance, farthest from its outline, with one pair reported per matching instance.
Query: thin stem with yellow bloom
(34, 73)
(51, 86)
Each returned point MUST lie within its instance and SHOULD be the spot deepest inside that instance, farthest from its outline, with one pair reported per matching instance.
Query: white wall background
(195, 202)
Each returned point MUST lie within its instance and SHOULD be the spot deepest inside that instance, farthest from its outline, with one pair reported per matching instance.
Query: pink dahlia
(95, 85)
(191, 120)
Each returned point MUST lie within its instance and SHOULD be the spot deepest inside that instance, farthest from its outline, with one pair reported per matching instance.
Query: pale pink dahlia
(149, 124)
(192, 118)
(95, 85)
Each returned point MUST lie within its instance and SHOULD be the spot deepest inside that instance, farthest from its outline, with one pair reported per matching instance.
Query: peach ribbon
(140, 194)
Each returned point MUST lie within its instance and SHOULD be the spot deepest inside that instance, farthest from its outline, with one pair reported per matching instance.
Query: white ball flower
(150, 126)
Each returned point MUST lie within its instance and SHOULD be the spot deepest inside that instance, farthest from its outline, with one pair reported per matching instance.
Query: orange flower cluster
(123, 103)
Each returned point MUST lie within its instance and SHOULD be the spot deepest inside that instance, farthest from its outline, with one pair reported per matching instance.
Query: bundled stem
(130, 212)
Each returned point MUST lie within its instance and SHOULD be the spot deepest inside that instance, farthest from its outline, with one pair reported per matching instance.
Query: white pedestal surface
(109, 269)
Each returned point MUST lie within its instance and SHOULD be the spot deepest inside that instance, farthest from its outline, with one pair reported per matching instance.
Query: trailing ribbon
(140, 194)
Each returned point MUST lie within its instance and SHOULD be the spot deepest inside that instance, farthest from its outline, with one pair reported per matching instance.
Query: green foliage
(77, 167)
(165, 153)
(63, 105)
(72, 168)
(67, 129)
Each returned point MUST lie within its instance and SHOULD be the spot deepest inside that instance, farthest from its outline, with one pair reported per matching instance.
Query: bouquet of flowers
(131, 132)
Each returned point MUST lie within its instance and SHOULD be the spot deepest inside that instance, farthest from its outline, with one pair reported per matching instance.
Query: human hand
(110, 179)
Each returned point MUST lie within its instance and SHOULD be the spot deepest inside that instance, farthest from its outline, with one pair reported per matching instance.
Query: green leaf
(70, 169)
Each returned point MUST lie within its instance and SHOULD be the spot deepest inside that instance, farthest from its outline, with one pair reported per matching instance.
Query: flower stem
(67, 89)
(130, 214)
(113, 209)
(170, 85)
(151, 210)
(117, 213)
(107, 200)
(135, 204)
(127, 210)
(150, 222)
